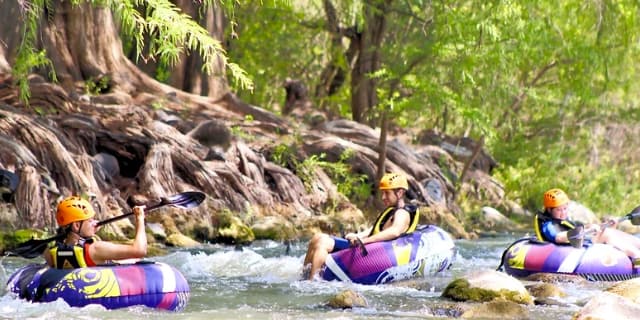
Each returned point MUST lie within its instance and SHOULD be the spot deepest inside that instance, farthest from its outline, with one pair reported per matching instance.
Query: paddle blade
(184, 200)
(576, 236)
(32, 248)
(634, 216)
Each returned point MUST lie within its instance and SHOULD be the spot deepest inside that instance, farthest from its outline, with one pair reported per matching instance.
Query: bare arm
(562, 237)
(361, 234)
(48, 258)
(103, 251)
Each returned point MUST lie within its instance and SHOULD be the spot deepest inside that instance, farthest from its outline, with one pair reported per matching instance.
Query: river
(262, 281)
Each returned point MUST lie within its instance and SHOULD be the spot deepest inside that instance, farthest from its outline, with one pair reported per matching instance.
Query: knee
(319, 240)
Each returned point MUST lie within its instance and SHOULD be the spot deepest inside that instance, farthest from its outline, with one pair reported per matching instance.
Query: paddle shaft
(122, 216)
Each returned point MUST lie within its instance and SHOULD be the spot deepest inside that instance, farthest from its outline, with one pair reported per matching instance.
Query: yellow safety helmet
(73, 209)
(555, 198)
(393, 181)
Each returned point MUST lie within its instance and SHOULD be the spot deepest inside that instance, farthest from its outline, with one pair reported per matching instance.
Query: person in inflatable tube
(74, 216)
(552, 225)
(396, 220)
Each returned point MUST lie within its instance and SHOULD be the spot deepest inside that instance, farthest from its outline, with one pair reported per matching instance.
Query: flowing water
(263, 282)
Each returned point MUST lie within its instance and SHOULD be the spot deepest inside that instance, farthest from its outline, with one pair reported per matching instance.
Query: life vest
(72, 256)
(389, 212)
(560, 225)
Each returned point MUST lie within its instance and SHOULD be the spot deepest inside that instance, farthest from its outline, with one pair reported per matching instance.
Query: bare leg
(319, 247)
(621, 240)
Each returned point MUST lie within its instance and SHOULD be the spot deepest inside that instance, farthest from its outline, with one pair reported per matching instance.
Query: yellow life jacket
(72, 256)
(388, 213)
(560, 225)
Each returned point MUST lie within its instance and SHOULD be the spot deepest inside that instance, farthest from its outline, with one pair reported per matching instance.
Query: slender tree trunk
(382, 144)
(363, 87)
(333, 75)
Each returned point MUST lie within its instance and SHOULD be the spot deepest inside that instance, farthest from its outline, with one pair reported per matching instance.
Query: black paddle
(363, 249)
(185, 200)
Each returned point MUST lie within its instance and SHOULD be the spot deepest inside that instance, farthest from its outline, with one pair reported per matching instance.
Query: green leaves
(170, 32)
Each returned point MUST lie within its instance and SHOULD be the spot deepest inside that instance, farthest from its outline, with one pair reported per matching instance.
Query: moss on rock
(461, 290)
(11, 239)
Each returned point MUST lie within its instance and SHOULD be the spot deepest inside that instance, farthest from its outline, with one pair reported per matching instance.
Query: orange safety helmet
(393, 181)
(73, 209)
(555, 198)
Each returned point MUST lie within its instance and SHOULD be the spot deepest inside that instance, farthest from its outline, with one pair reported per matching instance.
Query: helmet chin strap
(79, 229)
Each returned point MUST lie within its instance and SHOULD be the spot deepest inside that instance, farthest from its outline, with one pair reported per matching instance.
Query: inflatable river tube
(426, 251)
(151, 284)
(595, 262)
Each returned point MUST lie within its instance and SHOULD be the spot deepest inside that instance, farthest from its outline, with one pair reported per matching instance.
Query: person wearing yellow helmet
(75, 218)
(553, 225)
(397, 219)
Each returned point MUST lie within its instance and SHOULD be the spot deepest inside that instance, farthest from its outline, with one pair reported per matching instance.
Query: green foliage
(282, 154)
(173, 32)
(272, 46)
(351, 185)
(96, 86)
(28, 57)
(170, 33)
(158, 104)
(534, 78)
(566, 159)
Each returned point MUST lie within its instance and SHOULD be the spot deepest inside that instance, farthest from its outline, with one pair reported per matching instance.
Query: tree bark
(187, 74)
(333, 75)
(82, 52)
(363, 87)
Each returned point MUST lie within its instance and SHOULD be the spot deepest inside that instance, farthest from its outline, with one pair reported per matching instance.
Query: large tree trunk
(82, 52)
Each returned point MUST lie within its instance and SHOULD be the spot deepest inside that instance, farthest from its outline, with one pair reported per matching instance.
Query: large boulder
(582, 214)
(487, 285)
(491, 220)
(607, 306)
(629, 289)
(273, 228)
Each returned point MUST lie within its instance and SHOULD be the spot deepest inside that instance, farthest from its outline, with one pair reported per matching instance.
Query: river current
(262, 281)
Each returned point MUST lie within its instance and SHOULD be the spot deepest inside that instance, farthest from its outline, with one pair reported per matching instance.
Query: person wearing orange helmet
(397, 219)
(553, 225)
(75, 217)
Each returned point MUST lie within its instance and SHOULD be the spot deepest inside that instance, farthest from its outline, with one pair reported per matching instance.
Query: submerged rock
(497, 309)
(347, 299)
